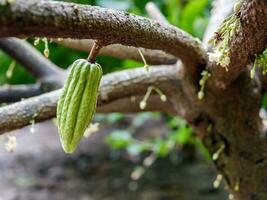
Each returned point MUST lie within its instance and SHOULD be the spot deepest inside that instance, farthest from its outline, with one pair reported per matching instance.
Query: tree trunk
(233, 134)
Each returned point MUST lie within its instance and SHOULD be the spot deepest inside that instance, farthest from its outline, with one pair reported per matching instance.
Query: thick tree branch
(135, 82)
(114, 86)
(22, 113)
(67, 20)
(153, 57)
(250, 40)
(13, 93)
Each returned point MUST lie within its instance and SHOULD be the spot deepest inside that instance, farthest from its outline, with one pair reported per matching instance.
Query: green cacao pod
(77, 103)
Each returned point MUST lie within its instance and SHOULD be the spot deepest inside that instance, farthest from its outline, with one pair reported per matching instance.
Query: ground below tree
(39, 170)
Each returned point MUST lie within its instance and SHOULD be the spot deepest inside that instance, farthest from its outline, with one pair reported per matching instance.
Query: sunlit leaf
(190, 13)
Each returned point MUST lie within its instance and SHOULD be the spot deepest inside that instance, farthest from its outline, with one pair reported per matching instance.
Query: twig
(95, 50)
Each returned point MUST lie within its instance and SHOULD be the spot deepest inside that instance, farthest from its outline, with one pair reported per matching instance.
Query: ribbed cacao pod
(77, 103)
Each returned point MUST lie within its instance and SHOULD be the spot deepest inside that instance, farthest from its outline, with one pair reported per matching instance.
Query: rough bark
(233, 120)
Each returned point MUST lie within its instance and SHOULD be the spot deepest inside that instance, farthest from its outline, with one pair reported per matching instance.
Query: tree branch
(136, 81)
(33, 61)
(245, 44)
(153, 57)
(13, 93)
(114, 86)
(67, 20)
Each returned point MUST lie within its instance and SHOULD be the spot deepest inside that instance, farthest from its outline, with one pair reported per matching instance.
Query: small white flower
(46, 53)
(32, 129)
(200, 95)
(215, 56)
(216, 155)
(163, 98)
(225, 61)
(91, 129)
(142, 105)
(218, 181)
(11, 144)
(146, 67)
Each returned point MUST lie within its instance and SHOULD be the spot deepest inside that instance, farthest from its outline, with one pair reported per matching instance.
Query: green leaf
(131, 64)
(174, 11)
(184, 136)
(190, 13)
(199, 26)
(177, 122)
(119, 139)
(161, 148)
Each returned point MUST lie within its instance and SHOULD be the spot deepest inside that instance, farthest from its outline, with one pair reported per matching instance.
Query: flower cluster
(45, 41)
(221, 39)
(143, 103)
(91, 129)
(205, 76)
(11, 144)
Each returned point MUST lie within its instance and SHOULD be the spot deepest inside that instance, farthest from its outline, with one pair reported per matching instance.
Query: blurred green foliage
(180, 134)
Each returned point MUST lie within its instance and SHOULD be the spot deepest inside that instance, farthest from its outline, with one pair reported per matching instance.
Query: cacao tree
(216, 84)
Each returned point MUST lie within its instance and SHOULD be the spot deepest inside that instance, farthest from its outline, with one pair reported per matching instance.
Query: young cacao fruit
(77, 103)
